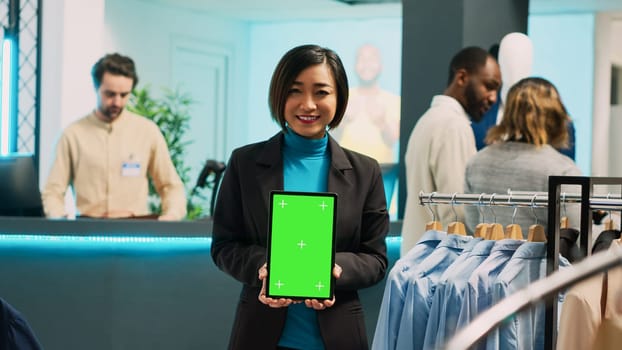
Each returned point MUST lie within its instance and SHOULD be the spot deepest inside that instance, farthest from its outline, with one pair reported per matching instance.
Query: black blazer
(240, 240)
(15, 332)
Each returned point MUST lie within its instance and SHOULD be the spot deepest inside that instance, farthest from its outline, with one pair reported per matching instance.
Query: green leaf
(171, 113)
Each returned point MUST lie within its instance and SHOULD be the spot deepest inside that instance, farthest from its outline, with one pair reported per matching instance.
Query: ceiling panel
(567, 6)
(270, 10)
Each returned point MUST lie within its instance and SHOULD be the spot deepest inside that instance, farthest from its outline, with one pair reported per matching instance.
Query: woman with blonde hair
(521, 152)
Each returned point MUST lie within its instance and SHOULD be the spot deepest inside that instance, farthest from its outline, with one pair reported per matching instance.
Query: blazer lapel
(270, 168)
(338, 177)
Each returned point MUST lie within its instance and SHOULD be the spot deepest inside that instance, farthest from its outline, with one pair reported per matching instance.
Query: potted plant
(171, 114)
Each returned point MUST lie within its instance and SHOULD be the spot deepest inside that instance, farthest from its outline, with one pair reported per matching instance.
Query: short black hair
(470, 58)
(291, 65)
(493, 50)
(114, 64)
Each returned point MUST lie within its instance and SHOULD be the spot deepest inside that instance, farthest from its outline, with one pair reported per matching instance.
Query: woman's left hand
(324, 304)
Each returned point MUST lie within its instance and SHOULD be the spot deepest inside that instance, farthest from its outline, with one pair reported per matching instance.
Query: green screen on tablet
(301, 245)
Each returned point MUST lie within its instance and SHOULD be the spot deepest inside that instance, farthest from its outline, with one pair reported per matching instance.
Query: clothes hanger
(495, 230)
(456, 227)
(536, 231)
(609, 224)
(432, 225)
(564, 222)
(482, 227)
(513, 231)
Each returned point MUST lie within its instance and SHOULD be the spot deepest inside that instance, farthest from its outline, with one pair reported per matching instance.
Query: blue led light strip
(5, 100)
(97, 238)
(105, 242)
(108, 242)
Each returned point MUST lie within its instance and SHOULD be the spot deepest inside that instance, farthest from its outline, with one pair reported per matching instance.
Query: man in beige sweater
(442, 140)
(108, 155)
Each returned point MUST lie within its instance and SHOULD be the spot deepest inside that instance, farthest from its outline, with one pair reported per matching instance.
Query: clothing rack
(531, 296)
(553, 201)
(585, 238)
(524, 199)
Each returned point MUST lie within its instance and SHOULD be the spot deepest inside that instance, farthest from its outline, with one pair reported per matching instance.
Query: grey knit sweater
(520, 167)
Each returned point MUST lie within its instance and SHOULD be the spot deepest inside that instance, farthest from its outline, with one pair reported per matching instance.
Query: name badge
(130, 169)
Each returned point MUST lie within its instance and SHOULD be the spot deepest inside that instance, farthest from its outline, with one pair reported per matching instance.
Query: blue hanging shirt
(390, 314)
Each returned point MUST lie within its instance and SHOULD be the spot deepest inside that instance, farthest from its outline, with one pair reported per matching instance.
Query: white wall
(72, 39)
(615, 142)
(603, 53)
(146, 32)
(616, 32)
(564, 54)
(615, 117)
(150, 33)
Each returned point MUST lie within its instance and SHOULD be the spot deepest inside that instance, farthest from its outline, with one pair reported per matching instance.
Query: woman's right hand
(274, 303)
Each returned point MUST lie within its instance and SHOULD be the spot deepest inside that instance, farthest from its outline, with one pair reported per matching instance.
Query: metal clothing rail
(544, 289)
(536, 200)
(531, 296)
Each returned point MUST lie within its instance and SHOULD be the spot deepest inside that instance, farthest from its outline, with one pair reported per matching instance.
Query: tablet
(301, 245)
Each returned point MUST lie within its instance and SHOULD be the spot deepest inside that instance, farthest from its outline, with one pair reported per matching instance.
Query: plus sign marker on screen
(301, 245)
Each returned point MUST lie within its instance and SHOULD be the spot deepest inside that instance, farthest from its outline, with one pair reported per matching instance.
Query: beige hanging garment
(609, 332)
(582, 310)
(609, 335)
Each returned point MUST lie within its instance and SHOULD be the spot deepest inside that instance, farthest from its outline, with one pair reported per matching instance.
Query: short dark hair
(291, 65)
(114, 64)
(470, 58)
(493, 50)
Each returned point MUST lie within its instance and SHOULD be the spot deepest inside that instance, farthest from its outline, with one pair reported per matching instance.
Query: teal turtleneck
(305, 168)
(305, 163)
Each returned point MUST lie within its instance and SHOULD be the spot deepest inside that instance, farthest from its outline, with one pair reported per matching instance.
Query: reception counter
(126, 284)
